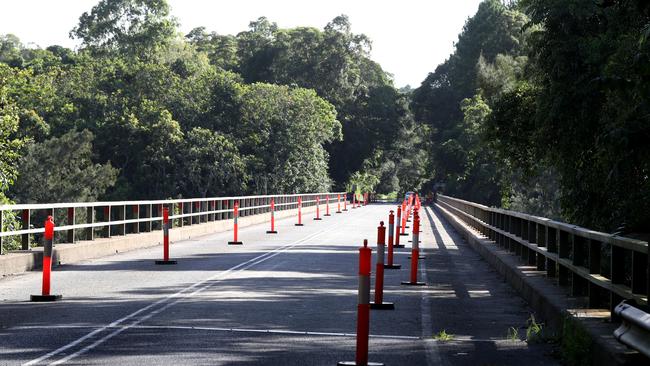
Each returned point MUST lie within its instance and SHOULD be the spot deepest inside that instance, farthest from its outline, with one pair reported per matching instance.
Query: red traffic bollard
(166, 239)
(327, 206)
(379, 303)
(235, 227)
(415, 254)
(399, 225)
(345, 202)
(317, 209)
(391, 233)
(363, 310)
(272, 231)
(48, 242)
(416, 216)
(354, 200)
(299, 212)
(338, 203)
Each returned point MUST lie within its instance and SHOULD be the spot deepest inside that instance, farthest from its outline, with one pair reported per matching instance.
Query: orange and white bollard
(345, 202)
(399, 225)
(235, 225)
(363, 310)
(338, 203)
(391, 233)
(272, 231)
(354, 200)
(379, 303)
(415, 254)
(48, 243)
(299, 212)
(166, 239)
(317, 209)
(327, 206)
(405, 214)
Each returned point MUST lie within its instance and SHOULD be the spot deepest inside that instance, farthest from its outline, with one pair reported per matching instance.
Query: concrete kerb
(23, 261)
(557, 310)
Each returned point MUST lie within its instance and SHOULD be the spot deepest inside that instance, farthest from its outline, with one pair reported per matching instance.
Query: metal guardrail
(106, 219)
(604, 268)
(634, 331)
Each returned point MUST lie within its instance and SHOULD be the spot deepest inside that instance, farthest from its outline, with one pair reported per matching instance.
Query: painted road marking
(218, 277)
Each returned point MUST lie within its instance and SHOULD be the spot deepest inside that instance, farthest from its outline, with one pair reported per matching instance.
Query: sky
(410, 37)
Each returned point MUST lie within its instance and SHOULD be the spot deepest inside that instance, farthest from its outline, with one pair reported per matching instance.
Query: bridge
(497, 284)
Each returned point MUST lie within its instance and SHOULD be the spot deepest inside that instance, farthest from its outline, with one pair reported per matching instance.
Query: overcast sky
(410, 37)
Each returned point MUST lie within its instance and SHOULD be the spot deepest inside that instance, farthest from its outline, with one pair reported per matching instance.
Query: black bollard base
(353, 363)
(327, 215)
(338, 212)
(345, 209)
(392, 266)
(419, 257)
(398, 246)
(163, 262)
(300, 225)
(235, 243)
(405, 234)
(382, 306)
(45, 298)
(271, 232)
(317, 218)
(408, 283)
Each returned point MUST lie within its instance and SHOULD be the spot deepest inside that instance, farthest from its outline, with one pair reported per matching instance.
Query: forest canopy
(542, 107)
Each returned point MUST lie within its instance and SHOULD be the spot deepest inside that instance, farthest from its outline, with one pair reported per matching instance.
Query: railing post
(564, 248)
(639, 273)
(1, 224)
(71, 221)
(107, 219)
(617, 266)
(26, 223)
(136, 215)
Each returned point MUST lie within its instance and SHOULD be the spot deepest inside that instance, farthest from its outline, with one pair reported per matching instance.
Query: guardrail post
(640, 269)
(71, 221)
(107, 219)
(136, 215)
(551, 244)
(617, 274)
(564, 248)
(1, 225)
(90, 219)
(25, 220)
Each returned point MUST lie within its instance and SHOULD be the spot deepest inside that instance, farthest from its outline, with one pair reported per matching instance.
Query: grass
(513, 334)
(443, 336)
(534, 330)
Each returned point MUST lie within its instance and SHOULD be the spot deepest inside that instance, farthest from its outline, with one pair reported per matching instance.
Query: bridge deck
(288, 299)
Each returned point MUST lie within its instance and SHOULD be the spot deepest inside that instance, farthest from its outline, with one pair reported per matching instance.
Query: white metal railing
(126, 217)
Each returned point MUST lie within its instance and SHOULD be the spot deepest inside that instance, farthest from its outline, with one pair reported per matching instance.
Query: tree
(139, 28)
(61, 170)
(10, 145)
(211, 165)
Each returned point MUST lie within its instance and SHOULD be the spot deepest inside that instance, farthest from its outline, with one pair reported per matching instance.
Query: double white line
(150, 310)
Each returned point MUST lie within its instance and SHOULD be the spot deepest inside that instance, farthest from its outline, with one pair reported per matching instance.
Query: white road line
(220, 276)
(236, 330)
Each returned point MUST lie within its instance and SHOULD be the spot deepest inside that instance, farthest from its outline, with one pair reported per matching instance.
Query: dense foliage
(542, 107)
(150, 113)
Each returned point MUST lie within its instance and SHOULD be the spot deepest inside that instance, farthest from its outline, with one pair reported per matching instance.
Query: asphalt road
(285, 299)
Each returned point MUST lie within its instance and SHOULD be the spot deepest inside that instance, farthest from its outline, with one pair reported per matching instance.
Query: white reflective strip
(416, 241)
(364, 289)
(380, 253)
